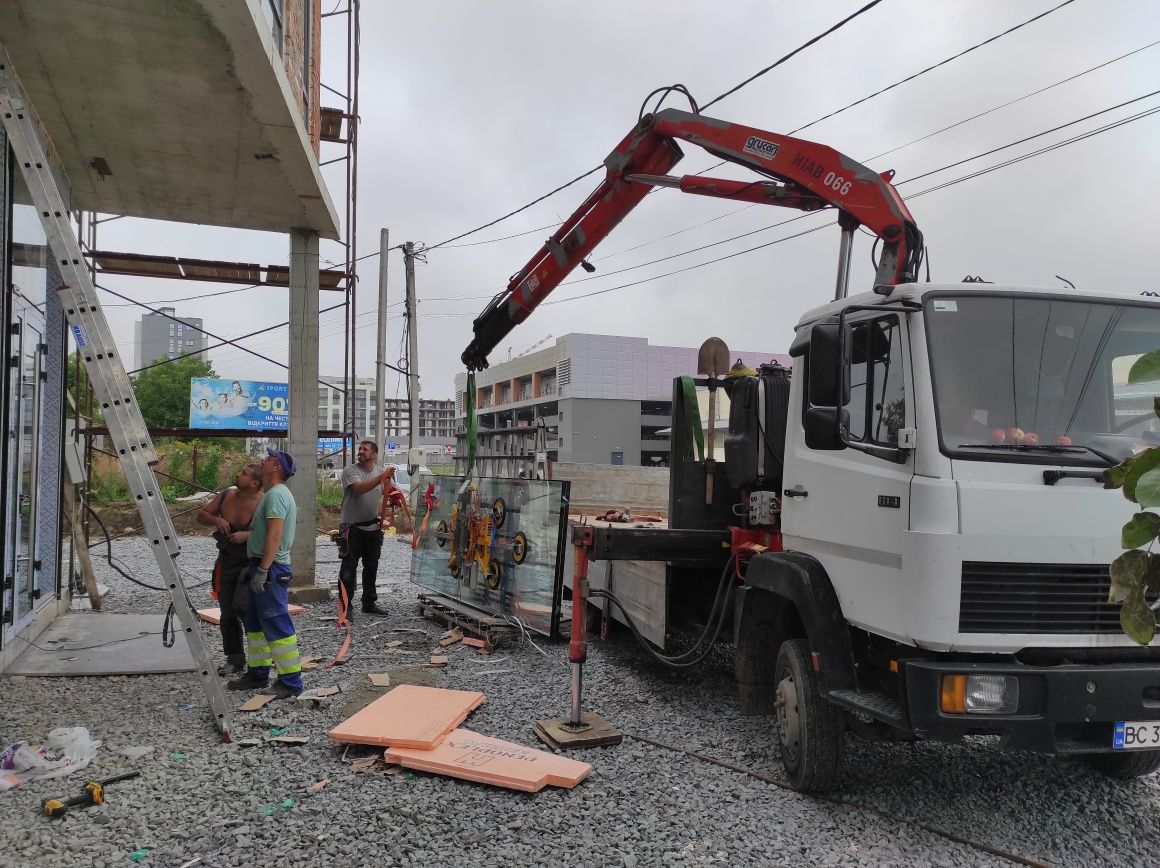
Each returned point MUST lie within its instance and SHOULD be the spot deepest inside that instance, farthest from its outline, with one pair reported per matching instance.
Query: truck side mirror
(829, 364)
(826, 428)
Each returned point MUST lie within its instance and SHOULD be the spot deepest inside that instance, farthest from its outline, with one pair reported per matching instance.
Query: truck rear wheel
(811, 731)
(1126, 765)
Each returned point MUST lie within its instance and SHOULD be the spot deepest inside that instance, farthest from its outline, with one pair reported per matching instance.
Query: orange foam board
(485, 760)
(409, 716)
(214, 616)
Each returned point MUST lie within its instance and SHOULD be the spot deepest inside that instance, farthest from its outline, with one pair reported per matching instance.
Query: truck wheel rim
(788, 715)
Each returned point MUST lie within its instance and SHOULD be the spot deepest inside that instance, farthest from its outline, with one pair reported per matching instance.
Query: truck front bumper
(1062, 709)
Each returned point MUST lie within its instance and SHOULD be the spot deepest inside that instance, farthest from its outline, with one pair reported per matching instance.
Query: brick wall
(298, 35)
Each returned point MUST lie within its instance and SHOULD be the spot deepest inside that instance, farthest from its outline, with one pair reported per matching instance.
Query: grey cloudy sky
(472, 109)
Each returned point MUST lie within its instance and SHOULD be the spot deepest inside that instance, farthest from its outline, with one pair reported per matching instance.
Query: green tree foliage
(163, 391)
(1137, 570)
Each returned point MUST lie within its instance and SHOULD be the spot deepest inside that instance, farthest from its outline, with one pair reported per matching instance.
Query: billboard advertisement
(237, 404)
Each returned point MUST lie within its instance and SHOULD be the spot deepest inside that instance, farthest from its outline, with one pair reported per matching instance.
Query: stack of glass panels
(497, 545)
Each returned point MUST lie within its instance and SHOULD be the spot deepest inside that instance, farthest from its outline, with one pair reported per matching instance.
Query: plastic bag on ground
(66, 750)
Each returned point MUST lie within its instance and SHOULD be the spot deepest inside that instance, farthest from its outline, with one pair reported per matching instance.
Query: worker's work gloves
(258, 579)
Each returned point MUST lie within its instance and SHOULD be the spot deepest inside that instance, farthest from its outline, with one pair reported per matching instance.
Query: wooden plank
(72, 510)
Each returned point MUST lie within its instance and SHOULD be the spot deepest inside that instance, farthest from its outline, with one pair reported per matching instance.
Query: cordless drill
(94, 794)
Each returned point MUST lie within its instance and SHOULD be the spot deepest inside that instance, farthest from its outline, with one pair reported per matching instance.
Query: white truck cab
(946, 530)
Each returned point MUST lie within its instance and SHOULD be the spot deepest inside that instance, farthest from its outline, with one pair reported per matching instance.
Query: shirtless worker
(229, 514)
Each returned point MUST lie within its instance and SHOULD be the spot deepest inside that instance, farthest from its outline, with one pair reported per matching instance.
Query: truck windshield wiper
(1042, 447)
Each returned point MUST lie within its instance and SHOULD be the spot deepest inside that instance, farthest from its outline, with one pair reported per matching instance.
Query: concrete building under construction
(192, 111)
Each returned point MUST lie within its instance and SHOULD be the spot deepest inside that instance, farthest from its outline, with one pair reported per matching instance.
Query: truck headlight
(979, 694)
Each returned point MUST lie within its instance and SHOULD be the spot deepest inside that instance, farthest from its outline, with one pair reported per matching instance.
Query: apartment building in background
(606, 399)
(164, 335)
(436, 416)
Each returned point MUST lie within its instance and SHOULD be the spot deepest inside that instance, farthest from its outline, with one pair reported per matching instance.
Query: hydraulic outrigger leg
(578, 729)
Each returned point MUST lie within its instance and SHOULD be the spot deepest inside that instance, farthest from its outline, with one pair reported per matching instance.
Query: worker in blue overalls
(270, 635)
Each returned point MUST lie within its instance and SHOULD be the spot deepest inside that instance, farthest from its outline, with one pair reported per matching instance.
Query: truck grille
(1036, 598)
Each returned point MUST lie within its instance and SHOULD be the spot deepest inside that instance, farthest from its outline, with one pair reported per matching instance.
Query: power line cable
(503, 238)
(191, 297)
(915, 75)
(896, 148)
(547, 195)
(899, 183)
(1025, 139)
(1012, 102)
(796, 51)
(968, 177)
(729, 92)
(1044, 150)
(935, 66)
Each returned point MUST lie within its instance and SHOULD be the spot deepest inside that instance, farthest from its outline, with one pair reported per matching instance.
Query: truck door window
(877, 391)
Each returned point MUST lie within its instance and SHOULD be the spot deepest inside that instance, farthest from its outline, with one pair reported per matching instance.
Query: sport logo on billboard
(761, 148)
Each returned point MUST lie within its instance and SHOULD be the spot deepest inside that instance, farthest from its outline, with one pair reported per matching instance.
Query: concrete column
(302, 439)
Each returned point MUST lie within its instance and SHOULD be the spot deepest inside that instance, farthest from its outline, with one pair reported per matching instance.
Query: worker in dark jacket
(229, 514)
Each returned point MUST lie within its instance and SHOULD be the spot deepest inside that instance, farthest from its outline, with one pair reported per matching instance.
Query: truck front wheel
(811, 731)
(1126, 765)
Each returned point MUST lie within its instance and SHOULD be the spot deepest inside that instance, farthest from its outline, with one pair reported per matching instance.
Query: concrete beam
(176, 110)
(302, 424)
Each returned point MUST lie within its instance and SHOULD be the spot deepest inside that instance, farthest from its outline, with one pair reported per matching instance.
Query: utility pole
(413, 454)
(381, 353)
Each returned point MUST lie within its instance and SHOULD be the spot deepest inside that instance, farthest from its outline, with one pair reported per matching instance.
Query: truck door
(847, 508)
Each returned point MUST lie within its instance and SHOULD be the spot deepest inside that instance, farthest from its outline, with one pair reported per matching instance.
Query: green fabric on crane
(472, 423)
(691, 433)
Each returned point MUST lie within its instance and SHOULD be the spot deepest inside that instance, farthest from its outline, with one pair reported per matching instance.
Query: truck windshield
(1043, 379)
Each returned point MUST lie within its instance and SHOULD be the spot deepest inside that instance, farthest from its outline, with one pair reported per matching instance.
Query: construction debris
(450, 638)
(363, 764)
(409, 716)
(474, 757)
(379, 679)
(254, 703)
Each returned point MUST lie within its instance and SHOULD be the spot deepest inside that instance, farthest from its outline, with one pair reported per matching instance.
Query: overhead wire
(1027, 139)
(934, 66)
(1012, 102)
(797, 51)
(969, 176)
(716, 99)
(915, 75)
(897, 148)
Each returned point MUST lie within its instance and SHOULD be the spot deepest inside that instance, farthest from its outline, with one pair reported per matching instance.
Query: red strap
(343, 622)
(428, 502)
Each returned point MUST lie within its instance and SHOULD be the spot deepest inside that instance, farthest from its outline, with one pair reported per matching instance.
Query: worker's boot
(235, 665)
(282, 690)
(249, 681)
(373, 608)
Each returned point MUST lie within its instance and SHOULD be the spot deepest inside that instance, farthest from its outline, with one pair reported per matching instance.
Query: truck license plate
(1136, 735)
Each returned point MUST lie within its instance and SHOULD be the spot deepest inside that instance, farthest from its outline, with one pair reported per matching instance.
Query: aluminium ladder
(110, 383)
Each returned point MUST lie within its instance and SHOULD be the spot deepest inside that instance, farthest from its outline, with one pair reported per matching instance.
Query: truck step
(873, 703)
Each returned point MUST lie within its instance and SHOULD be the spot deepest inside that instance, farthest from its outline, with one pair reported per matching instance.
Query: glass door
(21, 558)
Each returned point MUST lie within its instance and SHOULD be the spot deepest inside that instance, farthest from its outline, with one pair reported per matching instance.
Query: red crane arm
(804, 175)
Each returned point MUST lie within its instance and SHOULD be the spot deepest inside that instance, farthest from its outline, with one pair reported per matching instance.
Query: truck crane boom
(803, 175)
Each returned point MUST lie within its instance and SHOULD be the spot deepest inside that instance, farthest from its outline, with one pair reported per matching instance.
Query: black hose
(109, 552)
(692, 657)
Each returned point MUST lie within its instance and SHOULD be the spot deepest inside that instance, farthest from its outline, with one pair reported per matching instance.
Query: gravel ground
(642, 805)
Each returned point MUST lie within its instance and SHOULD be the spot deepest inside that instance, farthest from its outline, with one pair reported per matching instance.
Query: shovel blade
(713, 358)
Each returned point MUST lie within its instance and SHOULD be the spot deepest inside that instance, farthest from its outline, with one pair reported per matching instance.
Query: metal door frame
(26, 322)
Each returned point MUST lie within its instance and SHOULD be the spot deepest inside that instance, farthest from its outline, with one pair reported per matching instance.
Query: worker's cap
(286, 460)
